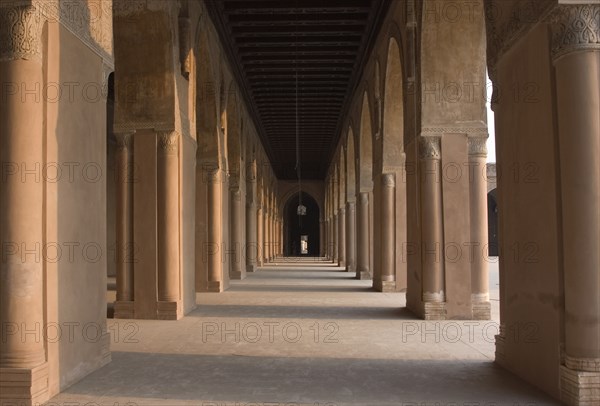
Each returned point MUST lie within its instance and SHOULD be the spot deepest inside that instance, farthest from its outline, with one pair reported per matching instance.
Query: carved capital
(212, 174)
(168, 142)
(388, 180)
(125, 141)
(20, 33)
(478, 147)
(363, 199)
(351, 207)
(429, 148)
(575, 28)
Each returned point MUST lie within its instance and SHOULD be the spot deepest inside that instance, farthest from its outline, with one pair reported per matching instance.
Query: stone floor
(303, 334)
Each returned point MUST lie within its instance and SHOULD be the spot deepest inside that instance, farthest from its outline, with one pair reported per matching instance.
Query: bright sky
(491, 143)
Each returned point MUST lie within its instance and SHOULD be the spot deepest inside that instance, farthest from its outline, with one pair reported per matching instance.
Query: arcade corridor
(304, 332)
(180, 149)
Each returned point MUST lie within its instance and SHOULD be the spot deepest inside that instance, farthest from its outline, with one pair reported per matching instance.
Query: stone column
(278, 234)
(576, 57)
(273, 240)
(124, 219)
(250, 251)
(215, 222)
(363, 242)
(268, 245)
(480, 280)
(342, 237)
(431, 229)
(330, 241)
(334, 232)
(237, 271)
(23, 366)
(388, 233)
(260, 236)
(169, 306)
(326, 242)
(322, 238)
(351, 237)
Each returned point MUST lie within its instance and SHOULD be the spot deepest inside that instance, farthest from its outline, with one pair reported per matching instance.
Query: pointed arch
(233, 138)
(365, 148)
(393, 107)
(350, 167)
(206, 101)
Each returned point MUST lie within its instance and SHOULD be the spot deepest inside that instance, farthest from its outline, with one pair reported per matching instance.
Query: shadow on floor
(307, 275)
(175, 379)
(304, 312)
(297, 288)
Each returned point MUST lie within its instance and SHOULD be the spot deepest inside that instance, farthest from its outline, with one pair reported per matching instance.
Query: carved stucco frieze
(575, 28)
(504, 31)
(89, 20)
(20, 33)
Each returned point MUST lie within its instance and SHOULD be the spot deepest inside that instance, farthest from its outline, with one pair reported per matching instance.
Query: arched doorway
(301, 228)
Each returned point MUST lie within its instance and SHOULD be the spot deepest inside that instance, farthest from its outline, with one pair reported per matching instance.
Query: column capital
(168, 142)
(125, 140)
(478, 147)
(429, 148)
(388, 180)
(575, 28)
(20, 32)
(363, 198)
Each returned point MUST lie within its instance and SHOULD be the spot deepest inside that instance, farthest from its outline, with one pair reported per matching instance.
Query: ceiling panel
(298, 63)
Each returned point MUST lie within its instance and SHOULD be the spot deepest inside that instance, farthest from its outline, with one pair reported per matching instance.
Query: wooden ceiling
(320, 44)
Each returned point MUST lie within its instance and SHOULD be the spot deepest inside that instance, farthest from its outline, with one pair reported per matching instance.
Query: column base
(24, 386)
(364, 276)
(342, 264)
(169, 310)
(350, 269)
(385, 286)
(579, 388)
(215, 287)
(124, 310)
(238, 276)
(106, 340)
(434, 311)
(251, 268)
(500, 354)
(482, 311)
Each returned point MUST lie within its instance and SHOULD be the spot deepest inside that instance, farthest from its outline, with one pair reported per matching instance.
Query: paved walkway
(304, 334)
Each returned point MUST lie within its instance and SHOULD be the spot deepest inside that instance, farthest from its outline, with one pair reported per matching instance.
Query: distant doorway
(301, 233)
